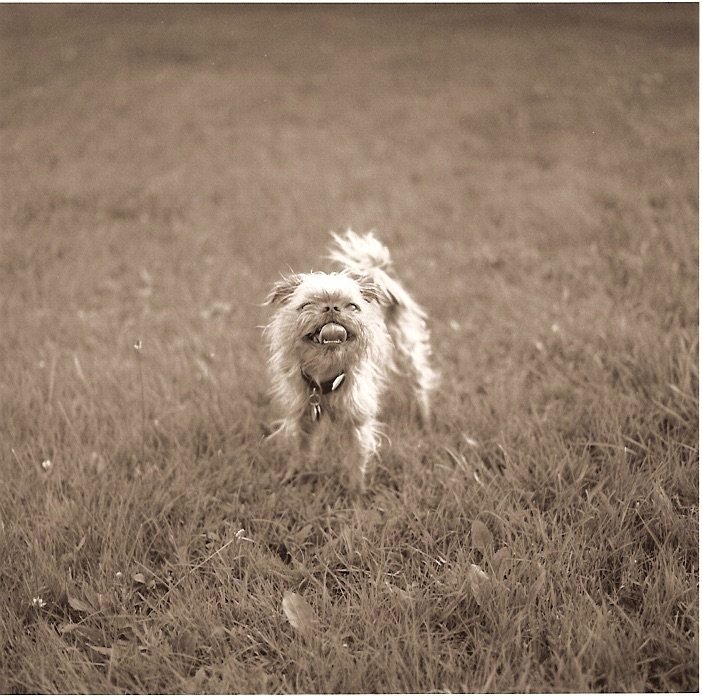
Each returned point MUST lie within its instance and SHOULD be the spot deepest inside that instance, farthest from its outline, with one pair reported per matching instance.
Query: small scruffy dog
(339, 344)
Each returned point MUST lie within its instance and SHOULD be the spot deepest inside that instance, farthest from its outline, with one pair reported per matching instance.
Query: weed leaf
(303, 533)
(501, 562)
(108, 652)
(481, 536)
(299, 613)
(536, 588)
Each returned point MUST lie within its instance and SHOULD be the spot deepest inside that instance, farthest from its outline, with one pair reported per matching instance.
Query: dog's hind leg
(424, 405)
(421, 381)
(412, 361)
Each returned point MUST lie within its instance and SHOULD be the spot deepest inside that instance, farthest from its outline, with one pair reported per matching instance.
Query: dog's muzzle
(331, 334)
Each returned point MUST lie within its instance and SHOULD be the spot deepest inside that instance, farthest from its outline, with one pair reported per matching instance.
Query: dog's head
(326, 319)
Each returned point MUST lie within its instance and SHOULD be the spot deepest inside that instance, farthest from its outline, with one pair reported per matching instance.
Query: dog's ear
(371, 291)
(283, 289)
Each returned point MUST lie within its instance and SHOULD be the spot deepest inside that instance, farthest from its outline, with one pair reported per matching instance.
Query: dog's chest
(325, 409)
(332, 433)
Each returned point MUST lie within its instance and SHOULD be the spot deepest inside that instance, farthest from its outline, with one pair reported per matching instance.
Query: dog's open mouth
(330, 334)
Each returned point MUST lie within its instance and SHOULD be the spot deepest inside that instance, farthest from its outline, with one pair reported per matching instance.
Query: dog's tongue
(332, 333)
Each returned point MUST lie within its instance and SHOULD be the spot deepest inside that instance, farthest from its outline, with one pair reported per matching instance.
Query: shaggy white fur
(338, 342)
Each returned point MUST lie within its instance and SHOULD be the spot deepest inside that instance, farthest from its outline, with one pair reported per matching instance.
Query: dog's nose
(329, 309)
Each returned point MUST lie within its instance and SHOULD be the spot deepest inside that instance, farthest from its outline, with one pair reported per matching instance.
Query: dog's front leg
(363, 447)
(293, 437)
(305, 437)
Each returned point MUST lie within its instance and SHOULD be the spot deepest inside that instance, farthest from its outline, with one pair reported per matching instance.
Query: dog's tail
(360, 253)
(405, 319)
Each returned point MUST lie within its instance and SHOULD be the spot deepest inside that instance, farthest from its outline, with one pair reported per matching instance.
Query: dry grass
(534, 171)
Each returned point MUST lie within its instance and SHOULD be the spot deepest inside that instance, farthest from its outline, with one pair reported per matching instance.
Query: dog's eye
(303, 305)
(354, 306)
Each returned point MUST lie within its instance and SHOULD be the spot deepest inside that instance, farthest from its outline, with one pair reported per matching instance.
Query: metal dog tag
(315, 405)
(316, 412)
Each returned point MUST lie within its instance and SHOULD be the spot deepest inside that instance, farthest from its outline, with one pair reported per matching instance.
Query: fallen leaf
(186, 643)
(80, 605)
(299, 613)
(139, 577)
(481, 537)
(477, 578)
(85, 632)
(219, 631)
(202, 674)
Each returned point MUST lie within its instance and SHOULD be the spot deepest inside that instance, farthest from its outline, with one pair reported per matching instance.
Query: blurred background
(530, 166)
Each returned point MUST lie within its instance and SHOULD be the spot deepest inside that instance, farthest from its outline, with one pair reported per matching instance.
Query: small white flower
(240, 535)
(38, 602)
(46, 464)
(137, 345)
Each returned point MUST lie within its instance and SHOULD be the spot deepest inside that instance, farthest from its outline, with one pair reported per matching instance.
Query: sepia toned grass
(533, 170)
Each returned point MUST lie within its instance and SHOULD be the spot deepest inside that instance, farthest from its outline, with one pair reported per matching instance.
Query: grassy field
(534, 171)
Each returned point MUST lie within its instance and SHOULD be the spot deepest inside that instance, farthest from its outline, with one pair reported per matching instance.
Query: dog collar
(317, 389)
(324, 387)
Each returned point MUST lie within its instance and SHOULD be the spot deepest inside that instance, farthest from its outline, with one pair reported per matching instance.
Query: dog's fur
(384, 344)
